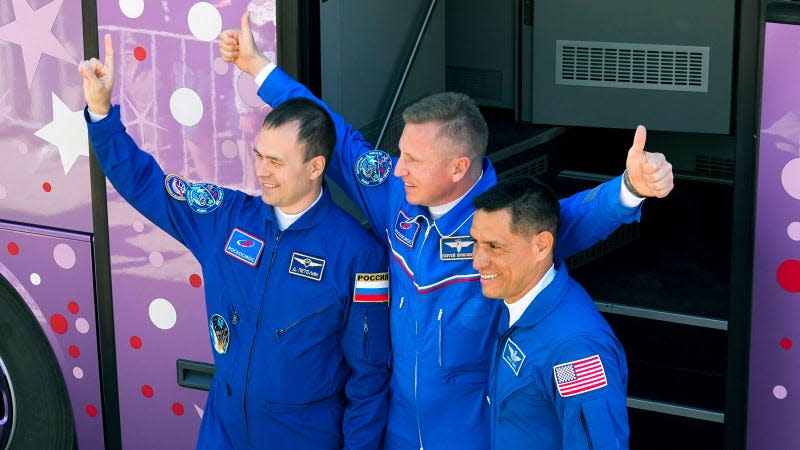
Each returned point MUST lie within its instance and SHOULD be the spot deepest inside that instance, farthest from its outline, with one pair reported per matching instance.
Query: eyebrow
(255, 150)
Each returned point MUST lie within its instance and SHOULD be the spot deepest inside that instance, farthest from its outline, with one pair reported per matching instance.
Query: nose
(262, 168)
(400, 168)
(478, 261)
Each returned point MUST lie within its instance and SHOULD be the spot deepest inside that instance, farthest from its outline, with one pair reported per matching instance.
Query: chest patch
(580, 376)
(406, 229)
(306, 266)
(455, 248)
(176, 187)
(244, 246)
(204, 198)
(513, 356)
(371, 287)
(373, 167)
(220, 333)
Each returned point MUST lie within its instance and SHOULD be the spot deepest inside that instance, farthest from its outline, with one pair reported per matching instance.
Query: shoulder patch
(373, 167)
(455, 248)
(176, 187)
(204, 198)
(371, 287)
(306, 266)
(244, 246)
(580, 376)
(513, 356)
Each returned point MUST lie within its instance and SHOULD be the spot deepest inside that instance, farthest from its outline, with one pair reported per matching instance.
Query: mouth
(489, 276)
(269, 186)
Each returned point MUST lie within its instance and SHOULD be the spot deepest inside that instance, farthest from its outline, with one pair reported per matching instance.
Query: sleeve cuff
(264, 73)
(627, 198)
(93, 118)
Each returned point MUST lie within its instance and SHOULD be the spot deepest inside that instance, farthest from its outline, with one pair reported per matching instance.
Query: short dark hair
(315, 127)
(532, 205)
(460, 117)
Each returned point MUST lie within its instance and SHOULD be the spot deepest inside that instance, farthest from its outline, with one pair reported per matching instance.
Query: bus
(105, 342)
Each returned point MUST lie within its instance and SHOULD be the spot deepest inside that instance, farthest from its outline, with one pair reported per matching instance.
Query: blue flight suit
(298, 318)
(559, 375)
(442, 327)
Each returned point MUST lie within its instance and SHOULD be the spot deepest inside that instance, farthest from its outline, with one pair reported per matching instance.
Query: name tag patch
(371, 287)
(455, 248)
(513, 356)
(306, 266)
(373, 167)
(244, 246)
(406, 229)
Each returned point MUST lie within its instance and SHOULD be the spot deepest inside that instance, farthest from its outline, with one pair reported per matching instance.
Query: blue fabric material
(442, 328)
(562, 325)
(306, 367)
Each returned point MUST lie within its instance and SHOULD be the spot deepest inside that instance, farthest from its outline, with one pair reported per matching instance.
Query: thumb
(246, 23)
(639, 139)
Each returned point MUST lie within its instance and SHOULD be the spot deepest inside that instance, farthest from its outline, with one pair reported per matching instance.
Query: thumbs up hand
(650, 174)
(239, 47)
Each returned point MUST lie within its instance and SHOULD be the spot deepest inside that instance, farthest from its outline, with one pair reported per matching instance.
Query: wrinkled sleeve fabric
(367, 350)
(590, 216)
(350, 146)
(140, 181)
(593, 415)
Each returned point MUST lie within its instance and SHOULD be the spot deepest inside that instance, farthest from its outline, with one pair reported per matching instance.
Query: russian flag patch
(371, 287)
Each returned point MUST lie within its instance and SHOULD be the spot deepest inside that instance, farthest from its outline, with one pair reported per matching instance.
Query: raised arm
(355, 166)
(590, 216)
(133, 172)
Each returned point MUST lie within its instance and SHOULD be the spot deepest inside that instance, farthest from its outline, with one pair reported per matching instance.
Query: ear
(459, 168)
(543, 242)
(317, 165)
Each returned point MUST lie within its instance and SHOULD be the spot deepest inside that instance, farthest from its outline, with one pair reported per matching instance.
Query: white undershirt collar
(516, 309)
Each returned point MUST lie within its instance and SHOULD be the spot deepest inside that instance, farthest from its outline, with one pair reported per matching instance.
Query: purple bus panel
(52, 273)
(44, 177)
(774, 400)
(197, 116)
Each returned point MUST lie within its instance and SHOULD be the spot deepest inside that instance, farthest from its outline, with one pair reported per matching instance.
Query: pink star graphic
(32, 32)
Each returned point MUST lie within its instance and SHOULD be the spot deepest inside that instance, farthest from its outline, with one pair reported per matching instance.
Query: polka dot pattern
(177, 409)
(139, 53)
(136, 342)
(58, 323)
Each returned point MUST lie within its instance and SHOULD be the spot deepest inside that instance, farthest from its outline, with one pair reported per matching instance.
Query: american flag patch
(580, 376)
(372, 287)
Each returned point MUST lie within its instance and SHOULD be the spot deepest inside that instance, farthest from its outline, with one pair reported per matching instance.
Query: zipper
(419, 428)
(235, 318)
(402, 299)
(586, 431)
(280, 332)
(416, 334)
(366, 336)
(439, 319)
(253, 344)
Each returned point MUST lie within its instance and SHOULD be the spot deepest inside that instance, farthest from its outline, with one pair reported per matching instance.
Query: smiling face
(287, 181)
(431, 166)
(510, 264)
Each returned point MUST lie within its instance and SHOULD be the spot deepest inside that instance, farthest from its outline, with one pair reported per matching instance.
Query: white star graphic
(31, 30)
(68, 132)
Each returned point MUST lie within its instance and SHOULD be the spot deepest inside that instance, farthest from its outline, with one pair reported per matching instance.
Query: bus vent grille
(632, 65)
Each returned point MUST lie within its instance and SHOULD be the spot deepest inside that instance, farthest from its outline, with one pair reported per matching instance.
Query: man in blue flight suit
(559, 375)
(296, 290)
(442, 327)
